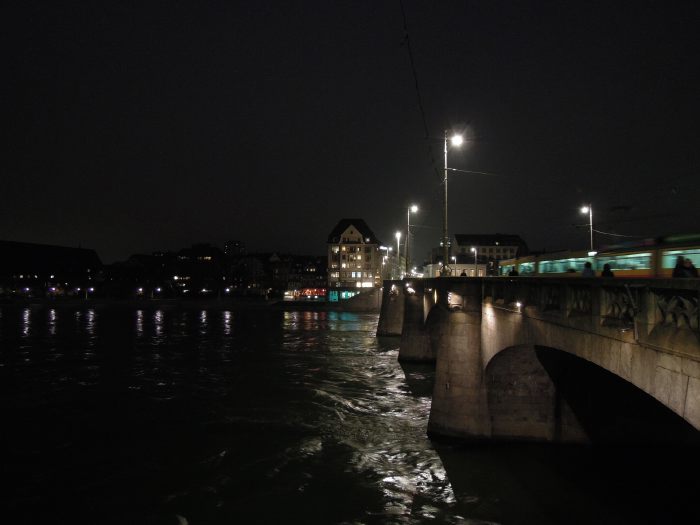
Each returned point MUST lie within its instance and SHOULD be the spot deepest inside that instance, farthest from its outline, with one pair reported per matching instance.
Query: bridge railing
(657, 309)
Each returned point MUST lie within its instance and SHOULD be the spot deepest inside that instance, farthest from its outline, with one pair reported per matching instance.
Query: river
(123, 415)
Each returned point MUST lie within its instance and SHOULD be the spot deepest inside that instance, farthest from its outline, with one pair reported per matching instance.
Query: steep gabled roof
(359, 224)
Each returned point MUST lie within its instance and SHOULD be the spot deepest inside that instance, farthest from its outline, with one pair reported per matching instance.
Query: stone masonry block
(692, 403)
(626, 351)
(662, 385)
(615, 357)
(690, 367)
(679, 391)
(670, 362)
(643, 368)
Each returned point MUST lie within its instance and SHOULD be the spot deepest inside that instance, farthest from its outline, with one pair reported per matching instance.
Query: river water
(117, 415)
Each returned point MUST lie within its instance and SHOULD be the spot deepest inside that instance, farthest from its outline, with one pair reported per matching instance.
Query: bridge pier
(459, 407)
(415, 337)
(391, 313)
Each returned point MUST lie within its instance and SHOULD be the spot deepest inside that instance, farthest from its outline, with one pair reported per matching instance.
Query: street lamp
(398, 253)
(456, 141)
(589, 210)
(476, 273)
(411, 209)
(385, 257)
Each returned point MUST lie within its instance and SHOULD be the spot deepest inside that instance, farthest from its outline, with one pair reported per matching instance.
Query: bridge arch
(524, 403)
(609, 408)
(540, 393)
(670, 379)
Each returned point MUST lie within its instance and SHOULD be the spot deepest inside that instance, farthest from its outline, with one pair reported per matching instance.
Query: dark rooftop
(359, 224)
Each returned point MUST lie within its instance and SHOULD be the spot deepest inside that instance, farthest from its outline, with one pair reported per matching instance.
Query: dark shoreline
(189, 304)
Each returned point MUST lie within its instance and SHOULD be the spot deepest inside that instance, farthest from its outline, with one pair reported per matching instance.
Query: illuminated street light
(411, 209)
(473, 249)
(589, 210)
(385, 257)
(456, 141)
(398, 253)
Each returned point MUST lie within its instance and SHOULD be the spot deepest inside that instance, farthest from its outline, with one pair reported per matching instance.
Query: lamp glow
(589, 210)
(413, 208)
(456, 141)
(398, 253)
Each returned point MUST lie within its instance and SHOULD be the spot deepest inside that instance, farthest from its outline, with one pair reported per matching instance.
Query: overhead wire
(618, 234)
(421, 108)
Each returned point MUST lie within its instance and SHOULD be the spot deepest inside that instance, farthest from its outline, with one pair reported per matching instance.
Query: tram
(645, 259)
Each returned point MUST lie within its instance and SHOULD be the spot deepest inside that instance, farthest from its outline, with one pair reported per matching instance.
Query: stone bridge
(553, 359)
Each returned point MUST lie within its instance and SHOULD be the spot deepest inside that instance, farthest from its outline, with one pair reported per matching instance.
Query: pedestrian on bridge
(690, 269)
(607, 272)
(587, 270)
(684, 268)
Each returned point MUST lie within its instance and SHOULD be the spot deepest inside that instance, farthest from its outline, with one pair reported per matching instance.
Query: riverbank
(226, 303)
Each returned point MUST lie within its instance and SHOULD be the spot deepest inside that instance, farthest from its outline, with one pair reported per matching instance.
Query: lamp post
(589, 210)
(385, 258)
(456, 141)
(398, 253)
(476, 273)
(411, 209)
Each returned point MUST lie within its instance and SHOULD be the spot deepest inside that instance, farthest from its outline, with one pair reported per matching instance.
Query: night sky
(143, 126)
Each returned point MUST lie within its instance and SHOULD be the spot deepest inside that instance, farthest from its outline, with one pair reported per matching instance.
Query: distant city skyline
(137, 129)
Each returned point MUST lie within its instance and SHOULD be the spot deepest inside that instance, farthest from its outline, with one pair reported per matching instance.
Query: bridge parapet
(646, 332)
(660, 312)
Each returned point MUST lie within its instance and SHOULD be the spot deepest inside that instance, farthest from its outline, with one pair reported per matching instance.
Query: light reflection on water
(52, 322)
(249, 417)
(139, 323)
(26, 321)
(226, 320)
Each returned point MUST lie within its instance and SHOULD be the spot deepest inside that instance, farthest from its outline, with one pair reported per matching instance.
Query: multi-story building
(38, 270)
(489, 247)
(354, 258)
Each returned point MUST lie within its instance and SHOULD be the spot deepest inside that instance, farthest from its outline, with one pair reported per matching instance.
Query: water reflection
(305, 321)
(26, 321)
(52, 317)
(139, 323)
(90, 317)
(203, 322)
(158, 317)
(226, 320)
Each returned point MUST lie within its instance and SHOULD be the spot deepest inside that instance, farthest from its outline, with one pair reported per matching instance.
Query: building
(354, 258)
(489, 247)
(476, 254)
(40, 270)
(462, 266)
(234, 248)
